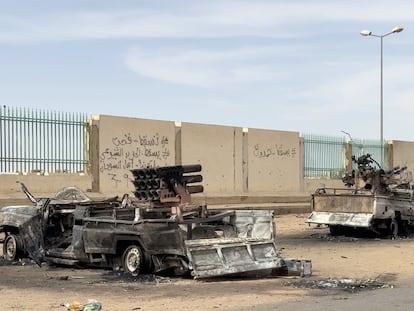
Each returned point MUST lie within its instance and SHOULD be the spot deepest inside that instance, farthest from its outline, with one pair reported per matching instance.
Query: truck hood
(20, 209)
(17, 215)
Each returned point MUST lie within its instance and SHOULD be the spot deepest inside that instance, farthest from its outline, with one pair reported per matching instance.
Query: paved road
(401, 298)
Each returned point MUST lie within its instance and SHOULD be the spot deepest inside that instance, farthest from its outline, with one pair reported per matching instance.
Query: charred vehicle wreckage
(374, 199)
(158, 229)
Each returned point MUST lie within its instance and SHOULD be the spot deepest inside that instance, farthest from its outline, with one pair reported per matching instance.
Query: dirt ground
(348, 272)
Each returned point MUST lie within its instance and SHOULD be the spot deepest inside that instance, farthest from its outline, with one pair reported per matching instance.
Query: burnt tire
(12, 247)
(336, 230)
(132, 260)
(394, 228)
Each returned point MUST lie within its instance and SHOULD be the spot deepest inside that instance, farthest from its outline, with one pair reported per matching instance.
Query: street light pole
(369, 33)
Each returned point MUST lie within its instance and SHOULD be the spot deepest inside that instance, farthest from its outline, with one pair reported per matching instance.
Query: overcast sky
(297, 65)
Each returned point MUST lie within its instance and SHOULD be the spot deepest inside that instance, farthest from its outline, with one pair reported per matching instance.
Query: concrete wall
(43, 184)
(129, 143)
(274, 161)
(402, 154)
(235, 161)
(219, 150)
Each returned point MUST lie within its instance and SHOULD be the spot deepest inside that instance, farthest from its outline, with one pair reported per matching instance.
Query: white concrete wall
(43, 184)
(219, 150)
(273, 161)
(403, 154)
(129, 143)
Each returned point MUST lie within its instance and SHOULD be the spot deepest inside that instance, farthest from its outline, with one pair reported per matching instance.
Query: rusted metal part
(348, 202)
(27, 192)
(169, 184)
(31, 233)
(251, 247)
(375, 179)
(355, 220)
(294, 267)
(16, 216)
(209, 258)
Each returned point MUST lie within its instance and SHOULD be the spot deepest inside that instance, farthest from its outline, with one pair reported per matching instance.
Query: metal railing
(324, 156)
(41, 141)
(373, 147)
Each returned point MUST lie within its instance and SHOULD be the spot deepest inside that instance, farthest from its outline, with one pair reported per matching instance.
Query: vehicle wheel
(404, 227)
(12, 247)
(336, 230)
(132, 260)
(394, 228)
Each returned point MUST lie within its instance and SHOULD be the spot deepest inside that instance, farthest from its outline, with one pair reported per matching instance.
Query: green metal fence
(42, 141)
(373, 147)
(324, 156)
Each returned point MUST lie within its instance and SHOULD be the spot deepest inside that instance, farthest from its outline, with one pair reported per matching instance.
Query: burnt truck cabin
(30, 230)
(123, 238)
(26, 228)
(118, 238)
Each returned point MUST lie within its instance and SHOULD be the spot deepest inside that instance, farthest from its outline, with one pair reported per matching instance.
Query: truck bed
(343, 202)
(342, 208)
(335, 207)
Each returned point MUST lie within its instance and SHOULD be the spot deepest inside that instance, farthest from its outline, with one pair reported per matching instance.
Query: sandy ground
(346, 274)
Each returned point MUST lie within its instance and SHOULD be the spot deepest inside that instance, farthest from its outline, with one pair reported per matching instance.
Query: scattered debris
(90, 305)
(62, 277)
(333, 238)
(294, 267)
(142, 278)
(347, 284)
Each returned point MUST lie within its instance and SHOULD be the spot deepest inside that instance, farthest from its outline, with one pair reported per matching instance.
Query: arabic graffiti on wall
(274, 151)
(130, 151)
(274, 166)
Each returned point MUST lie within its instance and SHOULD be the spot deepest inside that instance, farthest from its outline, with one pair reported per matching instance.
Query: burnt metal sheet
(361, 220)
(32, 236)
(294, 267)
(27, 219)
(386, 206)
(258, 224)
(344, 203)
(215, 257)
(17, 215)
(252, 249)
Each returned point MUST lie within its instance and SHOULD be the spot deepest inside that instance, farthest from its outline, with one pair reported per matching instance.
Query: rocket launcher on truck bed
(167, 184)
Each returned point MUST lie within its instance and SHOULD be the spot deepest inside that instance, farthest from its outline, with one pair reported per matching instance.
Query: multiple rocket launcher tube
(151, 183)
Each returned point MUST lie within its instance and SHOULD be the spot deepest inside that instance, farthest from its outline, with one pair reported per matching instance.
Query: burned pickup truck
(157, 229)
(374, 199)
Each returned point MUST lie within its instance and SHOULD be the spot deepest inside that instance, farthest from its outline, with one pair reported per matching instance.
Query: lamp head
(366, 32)
(397, 29)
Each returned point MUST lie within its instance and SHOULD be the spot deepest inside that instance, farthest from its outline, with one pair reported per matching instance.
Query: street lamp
(369, 33)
